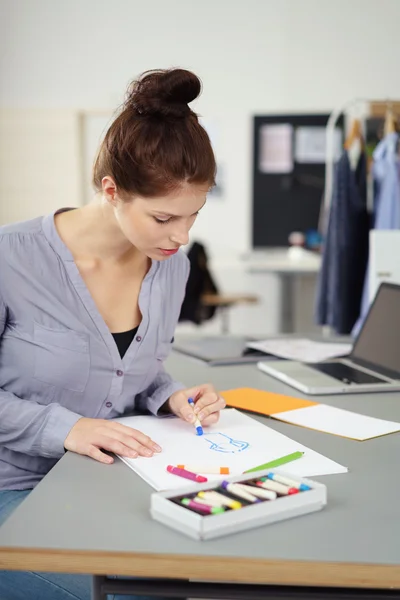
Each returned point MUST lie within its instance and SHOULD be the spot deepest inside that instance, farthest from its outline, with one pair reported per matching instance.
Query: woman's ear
(109, 190)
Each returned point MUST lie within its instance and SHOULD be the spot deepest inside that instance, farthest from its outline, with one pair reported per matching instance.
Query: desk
(85, 517)
(288, 265)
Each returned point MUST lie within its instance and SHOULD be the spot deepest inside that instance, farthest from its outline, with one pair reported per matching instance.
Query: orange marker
(204, 469)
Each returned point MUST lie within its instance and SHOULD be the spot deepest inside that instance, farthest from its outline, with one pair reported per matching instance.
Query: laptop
(373, 364)
(220, 350)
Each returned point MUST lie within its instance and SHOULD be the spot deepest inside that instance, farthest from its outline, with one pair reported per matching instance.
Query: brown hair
(156, 143)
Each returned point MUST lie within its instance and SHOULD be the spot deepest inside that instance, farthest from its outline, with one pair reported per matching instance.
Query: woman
(89, 300)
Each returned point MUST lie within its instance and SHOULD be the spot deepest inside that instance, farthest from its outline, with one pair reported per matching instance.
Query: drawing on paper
(223, 443)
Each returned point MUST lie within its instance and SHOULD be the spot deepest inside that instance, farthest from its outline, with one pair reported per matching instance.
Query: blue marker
(197, 424)
(302, 487)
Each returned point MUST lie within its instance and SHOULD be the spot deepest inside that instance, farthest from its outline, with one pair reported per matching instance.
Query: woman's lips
(167, 252)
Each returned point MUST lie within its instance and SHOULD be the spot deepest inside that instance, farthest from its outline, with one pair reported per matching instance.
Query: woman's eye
(162, 221)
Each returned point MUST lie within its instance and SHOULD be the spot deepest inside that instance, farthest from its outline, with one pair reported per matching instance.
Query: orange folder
(265, 403)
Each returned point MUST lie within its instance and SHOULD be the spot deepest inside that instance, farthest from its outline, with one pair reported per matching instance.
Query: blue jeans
(25, 585)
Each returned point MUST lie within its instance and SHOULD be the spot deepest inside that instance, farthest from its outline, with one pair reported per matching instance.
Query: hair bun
(165, 93)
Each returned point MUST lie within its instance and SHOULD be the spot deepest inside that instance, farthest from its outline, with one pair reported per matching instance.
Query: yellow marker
(224, 500)
(214, 502)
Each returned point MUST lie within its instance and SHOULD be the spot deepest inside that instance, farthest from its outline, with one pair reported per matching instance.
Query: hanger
(354, 143)
(355, 134)
(390, 120)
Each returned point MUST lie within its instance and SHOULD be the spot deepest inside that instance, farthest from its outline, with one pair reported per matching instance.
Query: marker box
(166, 507)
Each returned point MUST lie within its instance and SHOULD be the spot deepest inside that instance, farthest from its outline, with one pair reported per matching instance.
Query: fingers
(90, 436)
(124, 429)
(116, 446)
(187, 413)
(211, 419)
(208, 404)
(126, 445)
(134, 439)
(98, 455)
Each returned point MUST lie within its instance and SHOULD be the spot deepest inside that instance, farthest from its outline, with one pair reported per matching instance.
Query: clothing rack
(363, 107)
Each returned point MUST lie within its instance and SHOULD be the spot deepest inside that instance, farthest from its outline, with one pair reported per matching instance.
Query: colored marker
(235, 490)
(287, 481)
(277, 462)
(257, 491)
(210, 510)
(186, 474)
(197, 424)
(203, 469)
(224, 500)
(277, 487)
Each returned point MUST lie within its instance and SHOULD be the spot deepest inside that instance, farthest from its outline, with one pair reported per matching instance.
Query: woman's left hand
(208, 404)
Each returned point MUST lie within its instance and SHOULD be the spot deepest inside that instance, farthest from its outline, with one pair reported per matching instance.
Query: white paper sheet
(237, 441)
(310, 144)
(339, 422)
(301, 349)
(276, 148)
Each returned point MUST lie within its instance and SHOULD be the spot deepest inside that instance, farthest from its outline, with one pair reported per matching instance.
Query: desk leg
(288, 302)
(97, 583)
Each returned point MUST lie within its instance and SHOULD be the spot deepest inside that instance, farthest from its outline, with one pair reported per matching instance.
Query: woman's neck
(92, 234)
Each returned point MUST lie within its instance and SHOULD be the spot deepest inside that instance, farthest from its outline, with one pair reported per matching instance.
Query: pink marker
(186, 474)
(210, 510)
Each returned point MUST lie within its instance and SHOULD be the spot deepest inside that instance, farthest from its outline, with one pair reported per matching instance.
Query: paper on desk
(236, 441)
(307, 413)
(330, 419)
(262, 402)
(301, 349)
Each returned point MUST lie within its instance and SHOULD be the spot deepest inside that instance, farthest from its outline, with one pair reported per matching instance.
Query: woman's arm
(162, 387)
(29, 427)
(158, 392)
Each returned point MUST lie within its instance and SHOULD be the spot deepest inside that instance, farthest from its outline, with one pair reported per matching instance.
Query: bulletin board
(288, 175)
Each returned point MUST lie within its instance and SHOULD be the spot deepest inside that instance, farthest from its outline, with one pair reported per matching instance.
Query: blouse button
(138, 338)
(120, 373)
(109, 404)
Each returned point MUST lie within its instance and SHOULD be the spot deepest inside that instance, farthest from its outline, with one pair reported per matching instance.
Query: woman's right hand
(89, 436)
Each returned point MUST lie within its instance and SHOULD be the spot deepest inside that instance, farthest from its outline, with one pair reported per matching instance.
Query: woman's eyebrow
(165, 214)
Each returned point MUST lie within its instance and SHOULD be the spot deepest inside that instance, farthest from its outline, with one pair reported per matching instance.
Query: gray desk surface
(281, 261)
(88, 517)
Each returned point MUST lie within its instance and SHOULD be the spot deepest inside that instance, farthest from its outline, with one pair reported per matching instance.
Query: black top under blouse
(124, 340)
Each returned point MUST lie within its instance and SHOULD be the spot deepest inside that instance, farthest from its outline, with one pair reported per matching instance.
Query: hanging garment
(386, 176)
(345, 251)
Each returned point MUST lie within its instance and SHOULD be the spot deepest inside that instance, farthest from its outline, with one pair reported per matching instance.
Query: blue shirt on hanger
(387, 202)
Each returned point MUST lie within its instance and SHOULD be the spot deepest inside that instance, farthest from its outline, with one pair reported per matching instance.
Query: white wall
(35, 146)
(255, 56)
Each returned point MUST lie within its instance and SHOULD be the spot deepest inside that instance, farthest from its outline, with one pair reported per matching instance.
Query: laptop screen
(378, 342)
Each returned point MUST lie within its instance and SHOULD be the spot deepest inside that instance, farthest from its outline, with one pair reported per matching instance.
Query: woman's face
(157, 227)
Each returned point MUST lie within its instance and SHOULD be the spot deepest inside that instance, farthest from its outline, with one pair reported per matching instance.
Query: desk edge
(232, 569)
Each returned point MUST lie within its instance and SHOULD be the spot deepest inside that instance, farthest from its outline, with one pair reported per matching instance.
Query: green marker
(277, 462)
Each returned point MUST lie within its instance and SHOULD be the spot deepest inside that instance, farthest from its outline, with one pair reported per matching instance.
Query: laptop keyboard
(347, 374)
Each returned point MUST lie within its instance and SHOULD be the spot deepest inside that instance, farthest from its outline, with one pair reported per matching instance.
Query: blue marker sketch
(223, 443)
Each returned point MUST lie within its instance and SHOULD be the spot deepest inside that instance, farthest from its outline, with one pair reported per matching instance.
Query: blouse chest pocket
(61, 358)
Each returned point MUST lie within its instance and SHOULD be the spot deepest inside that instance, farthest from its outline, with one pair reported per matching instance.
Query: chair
(223, 303)
(203, 299)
